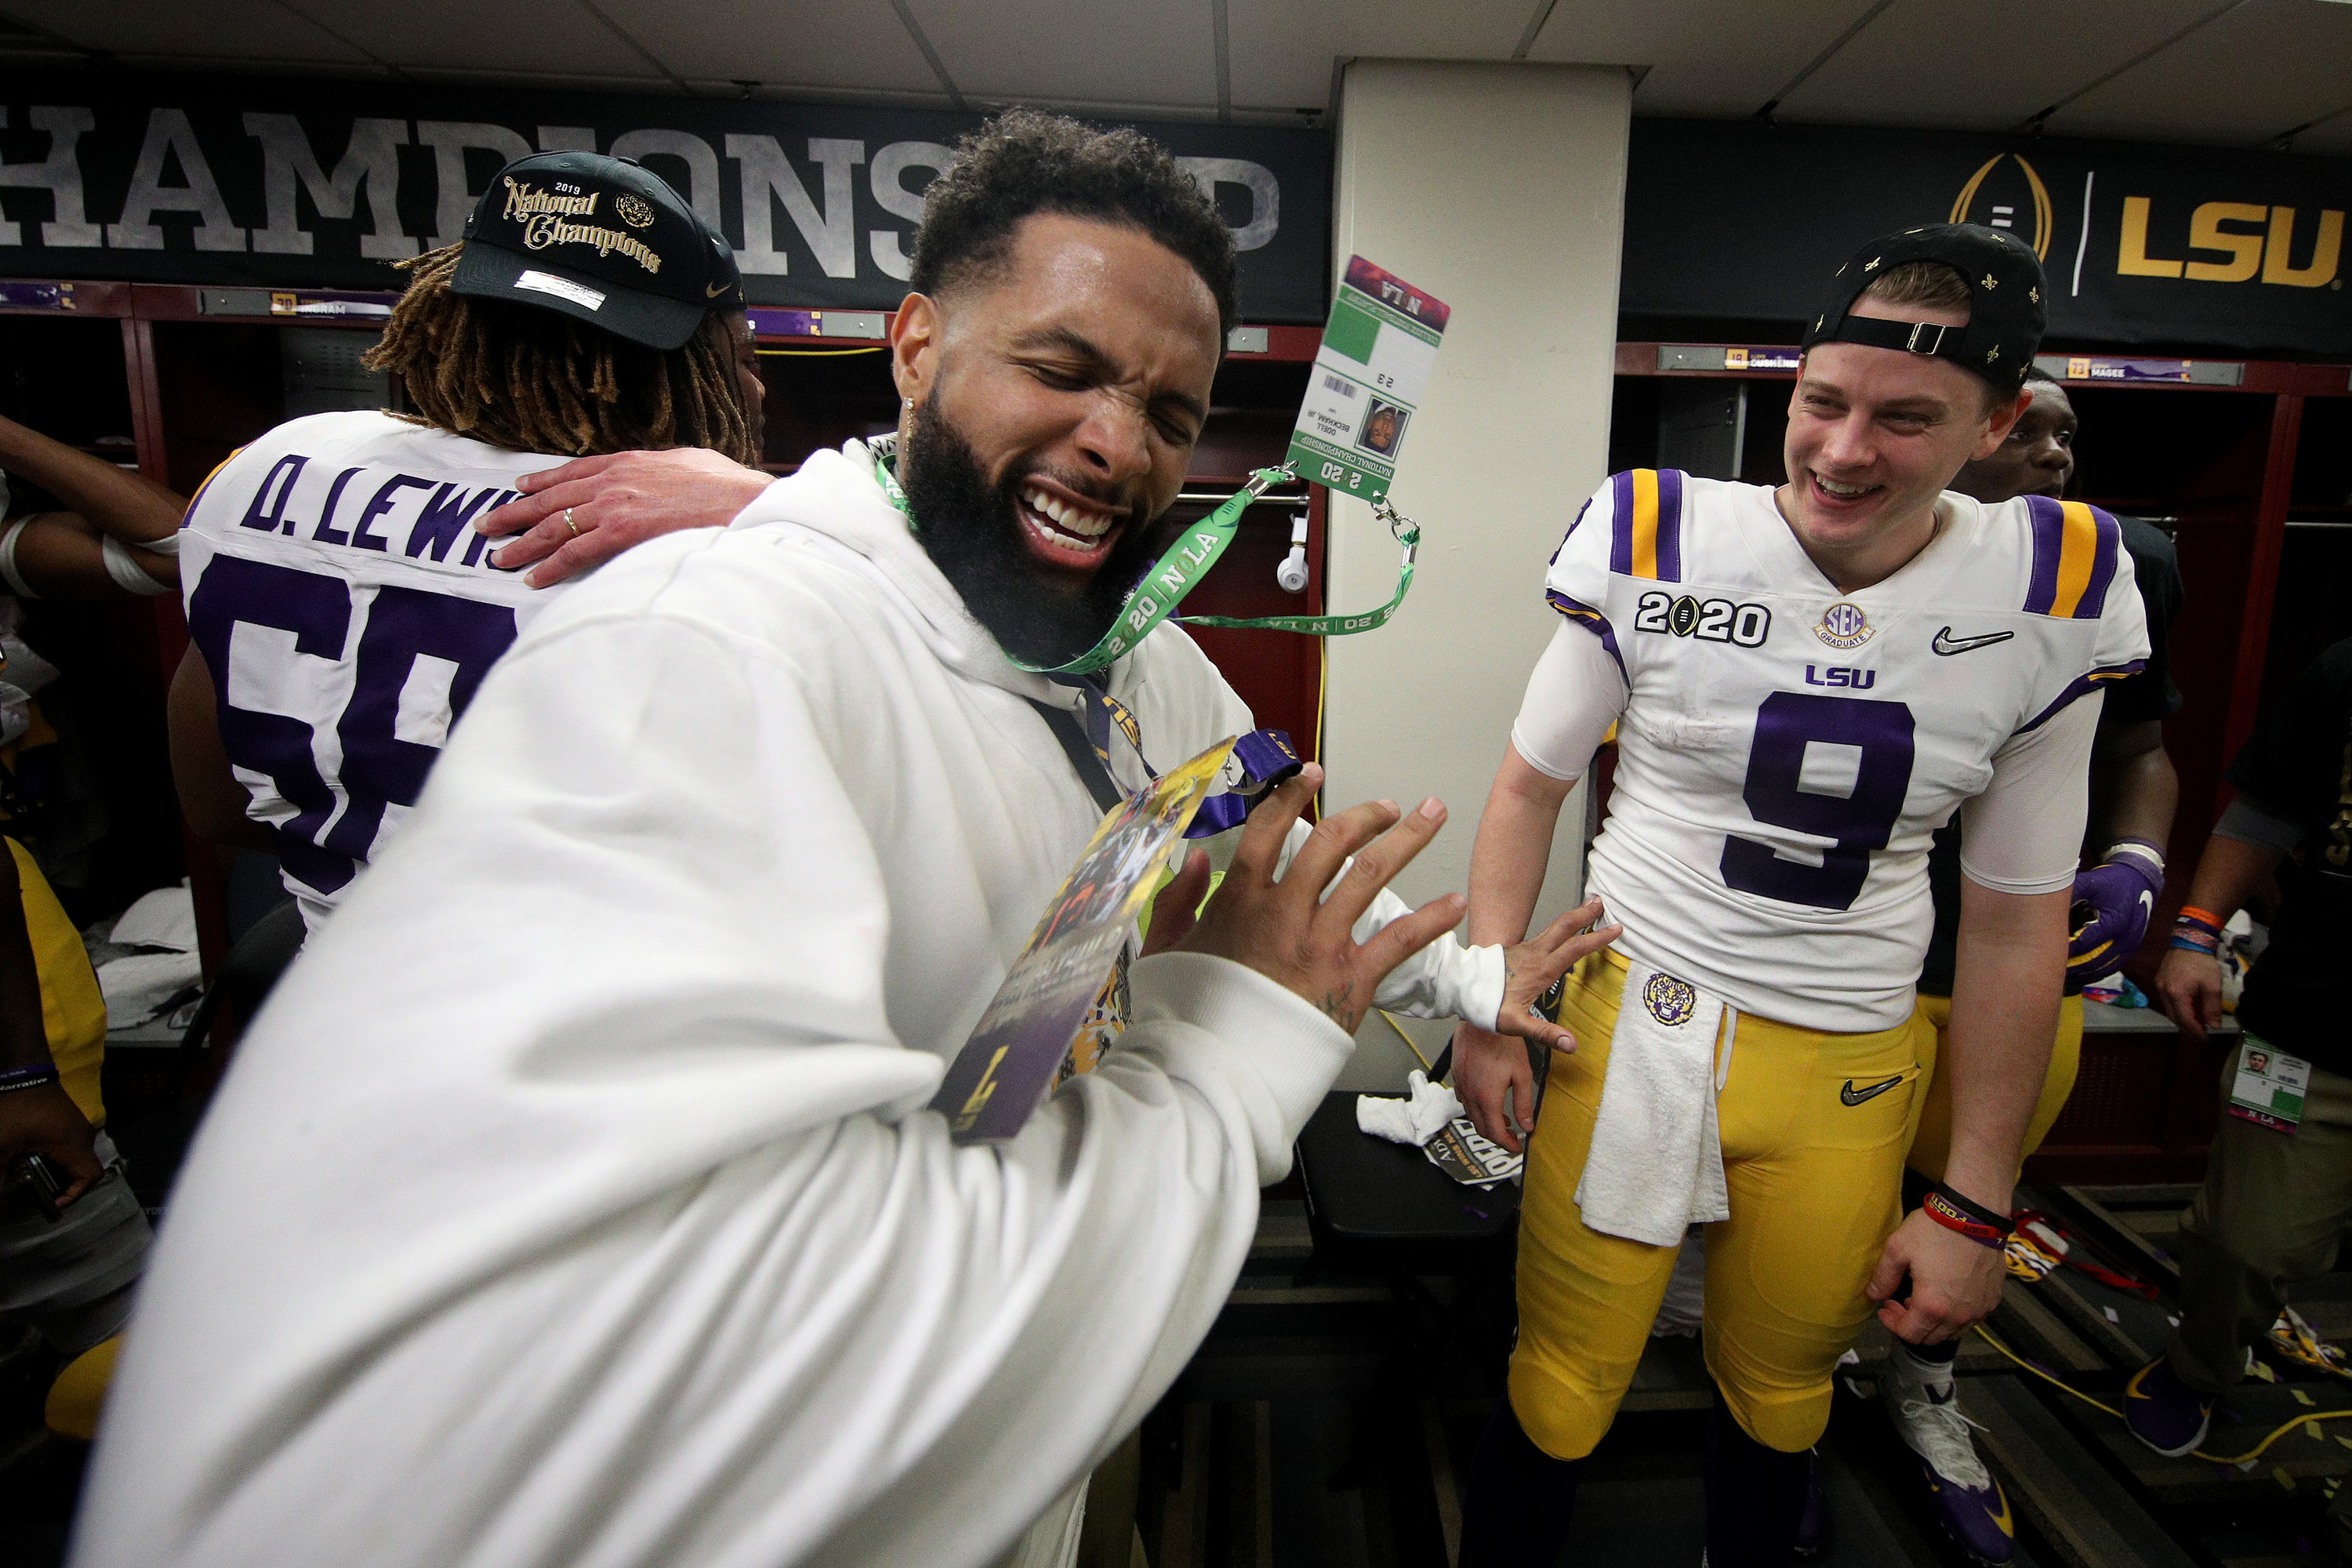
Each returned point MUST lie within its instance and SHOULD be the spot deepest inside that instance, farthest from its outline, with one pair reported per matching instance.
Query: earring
(910, 402)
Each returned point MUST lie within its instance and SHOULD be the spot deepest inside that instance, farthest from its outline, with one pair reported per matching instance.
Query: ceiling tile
(1110, 51)
(191, 30)
(552, 37)
(2263, 69)
(1916, 65)
(1283, 49)
(1712, 58)
(847, 44)
(2334, 136)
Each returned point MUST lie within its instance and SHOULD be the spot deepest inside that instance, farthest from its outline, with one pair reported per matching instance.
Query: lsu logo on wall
(2254, 241)
(2009, 198)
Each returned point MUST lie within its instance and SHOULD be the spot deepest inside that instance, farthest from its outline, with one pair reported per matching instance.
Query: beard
(971, 530)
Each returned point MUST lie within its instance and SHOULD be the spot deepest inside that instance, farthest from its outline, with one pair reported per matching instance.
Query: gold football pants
(1814, 1164)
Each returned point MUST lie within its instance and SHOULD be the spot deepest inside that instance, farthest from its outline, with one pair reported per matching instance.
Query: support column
(1500, 189)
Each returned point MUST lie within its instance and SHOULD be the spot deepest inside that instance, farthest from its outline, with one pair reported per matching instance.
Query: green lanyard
(1155, 598)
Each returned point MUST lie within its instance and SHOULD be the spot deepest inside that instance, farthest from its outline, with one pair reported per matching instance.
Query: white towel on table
(1655, 1167)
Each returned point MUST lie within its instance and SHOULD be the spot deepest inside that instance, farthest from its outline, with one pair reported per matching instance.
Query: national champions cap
(601, 239)
(2006, 311)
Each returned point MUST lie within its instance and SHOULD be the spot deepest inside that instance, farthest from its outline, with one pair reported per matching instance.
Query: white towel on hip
(1655, 1167)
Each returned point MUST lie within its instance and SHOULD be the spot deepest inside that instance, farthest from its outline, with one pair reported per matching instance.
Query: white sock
(1915, 1370)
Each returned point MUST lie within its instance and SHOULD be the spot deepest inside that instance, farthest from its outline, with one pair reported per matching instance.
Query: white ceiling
(2235, 73)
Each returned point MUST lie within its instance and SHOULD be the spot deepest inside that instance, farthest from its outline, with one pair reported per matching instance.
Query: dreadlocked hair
(529, 380)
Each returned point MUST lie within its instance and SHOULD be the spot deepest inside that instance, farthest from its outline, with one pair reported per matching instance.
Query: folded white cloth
(164, 917)
(138, 985)
(1655, 1167)
(1414, 1120)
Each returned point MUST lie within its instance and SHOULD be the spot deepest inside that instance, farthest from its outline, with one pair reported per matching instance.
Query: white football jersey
(1786, 750)
(348, 610)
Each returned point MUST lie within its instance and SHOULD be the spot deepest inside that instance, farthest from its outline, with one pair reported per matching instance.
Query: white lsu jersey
(1786, 750)
(348, 610)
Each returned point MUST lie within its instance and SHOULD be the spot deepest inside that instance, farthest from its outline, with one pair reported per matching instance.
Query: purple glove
(2113, 902)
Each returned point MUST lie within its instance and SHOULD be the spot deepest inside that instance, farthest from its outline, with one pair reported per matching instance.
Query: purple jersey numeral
(1863, 821)
(378, 768)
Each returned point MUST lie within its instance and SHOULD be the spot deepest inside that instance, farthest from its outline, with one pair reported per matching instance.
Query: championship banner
(319, 185)
(2243, 251)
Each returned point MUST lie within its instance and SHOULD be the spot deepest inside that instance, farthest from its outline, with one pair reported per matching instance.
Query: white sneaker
(1924, 1404)
(1923, 1401)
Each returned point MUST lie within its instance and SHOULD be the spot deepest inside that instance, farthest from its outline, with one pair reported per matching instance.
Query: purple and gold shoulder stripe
(1647, 509)
(2075, 549)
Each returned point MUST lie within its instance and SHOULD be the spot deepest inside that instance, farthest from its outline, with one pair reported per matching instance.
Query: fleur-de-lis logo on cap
(1871, 264)
(1993, 353)
(1991, 281)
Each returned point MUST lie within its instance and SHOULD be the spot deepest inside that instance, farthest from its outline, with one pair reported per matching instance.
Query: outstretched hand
(1288, 929)
(1529, 968)
(615, 501)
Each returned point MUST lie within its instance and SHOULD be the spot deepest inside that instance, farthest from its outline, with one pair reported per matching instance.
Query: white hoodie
(568, 1204)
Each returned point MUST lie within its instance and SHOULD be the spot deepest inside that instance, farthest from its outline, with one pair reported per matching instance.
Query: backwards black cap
(602, 239)
(2006, 314)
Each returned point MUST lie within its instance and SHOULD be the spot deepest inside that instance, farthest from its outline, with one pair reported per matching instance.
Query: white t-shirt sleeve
(2024, 833)
(1575, 694)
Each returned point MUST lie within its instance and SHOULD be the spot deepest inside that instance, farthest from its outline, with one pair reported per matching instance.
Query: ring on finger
(569, 524)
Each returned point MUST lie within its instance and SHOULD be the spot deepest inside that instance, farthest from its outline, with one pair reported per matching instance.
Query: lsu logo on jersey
(1844, 627)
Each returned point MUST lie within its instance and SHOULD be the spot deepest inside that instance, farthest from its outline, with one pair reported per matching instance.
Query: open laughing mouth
(1837, 496)
(1065, 529)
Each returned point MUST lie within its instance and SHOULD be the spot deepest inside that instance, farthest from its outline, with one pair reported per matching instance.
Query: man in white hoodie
(574, 1200)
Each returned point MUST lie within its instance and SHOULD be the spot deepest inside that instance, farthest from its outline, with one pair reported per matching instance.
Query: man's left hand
(1954, 1281)
(2120, 895)
(585, 512)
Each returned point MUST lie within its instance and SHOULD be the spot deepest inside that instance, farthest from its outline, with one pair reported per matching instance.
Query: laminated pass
(1465, 1153)
(1004, 1069)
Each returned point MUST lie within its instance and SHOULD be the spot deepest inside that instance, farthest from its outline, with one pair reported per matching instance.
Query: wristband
(2140, 849)
(2211, 950)
(16, 1078)
(2203, 920)
(1953, 1212)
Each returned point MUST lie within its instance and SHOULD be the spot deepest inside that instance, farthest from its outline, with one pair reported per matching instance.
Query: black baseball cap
(602, 239)
(2006, 310)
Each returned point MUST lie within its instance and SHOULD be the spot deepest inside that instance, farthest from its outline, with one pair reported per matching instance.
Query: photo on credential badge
(1379, 347)
(996, 1081)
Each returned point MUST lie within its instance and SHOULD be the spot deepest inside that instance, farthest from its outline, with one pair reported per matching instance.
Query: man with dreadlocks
(575, 1200)
(341, 612)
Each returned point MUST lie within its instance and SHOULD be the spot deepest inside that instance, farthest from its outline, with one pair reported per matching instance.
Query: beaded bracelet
(1953, 1212)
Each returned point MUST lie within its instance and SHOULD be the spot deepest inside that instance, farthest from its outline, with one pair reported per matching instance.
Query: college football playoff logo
(633, 210)
(1998, 198)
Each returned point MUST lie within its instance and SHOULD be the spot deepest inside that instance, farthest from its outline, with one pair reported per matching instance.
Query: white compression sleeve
(2024, 833)
(128, 575)
(8, 573)
(1576, 692)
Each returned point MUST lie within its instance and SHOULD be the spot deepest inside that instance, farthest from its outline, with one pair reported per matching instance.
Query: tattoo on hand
(1335, 1007)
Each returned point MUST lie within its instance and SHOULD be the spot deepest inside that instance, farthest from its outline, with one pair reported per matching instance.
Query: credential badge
(1844, 627)
(1669, 1000)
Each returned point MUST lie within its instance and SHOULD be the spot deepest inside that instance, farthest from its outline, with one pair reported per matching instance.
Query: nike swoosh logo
(1948, 645)
(712, 291)
(1853, 1096)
